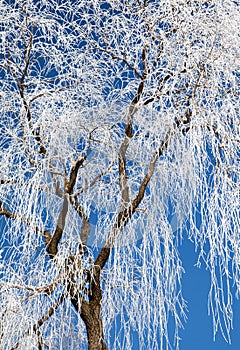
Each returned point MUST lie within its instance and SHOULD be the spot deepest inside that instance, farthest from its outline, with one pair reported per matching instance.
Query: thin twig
(42, 320)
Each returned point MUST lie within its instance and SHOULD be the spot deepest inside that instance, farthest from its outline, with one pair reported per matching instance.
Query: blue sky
(198, 332)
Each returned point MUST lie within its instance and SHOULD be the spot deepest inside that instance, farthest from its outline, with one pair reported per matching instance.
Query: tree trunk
(90, 313)
(95, 327)
(95, 331)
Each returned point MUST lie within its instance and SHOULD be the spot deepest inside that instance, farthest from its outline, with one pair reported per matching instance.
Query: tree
(117, 117)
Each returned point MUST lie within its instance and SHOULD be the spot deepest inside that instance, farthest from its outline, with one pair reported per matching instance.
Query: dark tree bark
(90, 313)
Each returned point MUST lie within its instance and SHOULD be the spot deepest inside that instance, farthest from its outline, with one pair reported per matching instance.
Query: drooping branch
(43, 319)
(50, 312)
(27, 54)
(48, 289)
(93, 182)
(27, 184)
(45, 233)
(126, 213)
(119, 58)
(21, 85)
(122, 163)
(52, 241)
(142, 189)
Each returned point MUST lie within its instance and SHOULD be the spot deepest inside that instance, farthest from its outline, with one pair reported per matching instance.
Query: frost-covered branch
(119, 138)
(41, 320)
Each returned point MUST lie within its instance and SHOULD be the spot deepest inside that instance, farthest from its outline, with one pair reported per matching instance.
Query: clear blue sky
(198, 334)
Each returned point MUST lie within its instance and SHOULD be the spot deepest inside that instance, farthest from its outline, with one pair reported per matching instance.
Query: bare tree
(116, 115)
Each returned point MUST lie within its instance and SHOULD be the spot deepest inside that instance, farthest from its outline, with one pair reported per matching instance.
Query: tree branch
(126, 213)
(85, 228)
(46, 289)
(52, 246)
(3, 211)
(94, 181)
(122, 59)
(73, 175)
(125, 144)
(42, 320)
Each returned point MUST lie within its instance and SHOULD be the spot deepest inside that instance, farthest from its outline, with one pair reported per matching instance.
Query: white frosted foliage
(119, 139)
